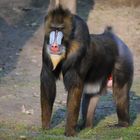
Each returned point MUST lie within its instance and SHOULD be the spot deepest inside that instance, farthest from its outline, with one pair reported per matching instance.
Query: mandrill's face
(55, 48)
(58, 28)
(55, 43)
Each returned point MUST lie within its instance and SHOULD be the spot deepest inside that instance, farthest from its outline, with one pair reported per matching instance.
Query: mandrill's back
(108, 40)
(110, 44)
(109, 53)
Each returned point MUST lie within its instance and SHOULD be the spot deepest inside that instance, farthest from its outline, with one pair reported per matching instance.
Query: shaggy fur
(87, 63)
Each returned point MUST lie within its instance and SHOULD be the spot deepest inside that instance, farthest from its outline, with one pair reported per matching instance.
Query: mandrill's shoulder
(80, 30)
(79, 21)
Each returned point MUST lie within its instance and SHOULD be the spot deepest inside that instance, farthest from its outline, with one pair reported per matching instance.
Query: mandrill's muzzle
(55, 48)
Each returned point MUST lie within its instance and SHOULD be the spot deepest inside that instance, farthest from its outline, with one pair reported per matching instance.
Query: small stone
(15, 86)
(35, 94)
(17, 74)
(26, 9)
(23, 137)
(17, 54)
(20, 49)
(30, 112)
(135, 98)
(25, 111)
(34, 24)
(34, 61)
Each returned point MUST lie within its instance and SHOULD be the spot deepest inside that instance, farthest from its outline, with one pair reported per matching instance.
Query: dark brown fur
(87, 60)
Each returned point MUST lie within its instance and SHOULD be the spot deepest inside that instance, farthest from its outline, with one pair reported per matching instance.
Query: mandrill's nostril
(54, 48)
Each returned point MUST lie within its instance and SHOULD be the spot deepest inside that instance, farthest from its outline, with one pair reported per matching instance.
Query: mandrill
(86, 61)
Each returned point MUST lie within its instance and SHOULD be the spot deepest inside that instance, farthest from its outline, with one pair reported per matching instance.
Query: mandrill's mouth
(56, 50)
(56, 56)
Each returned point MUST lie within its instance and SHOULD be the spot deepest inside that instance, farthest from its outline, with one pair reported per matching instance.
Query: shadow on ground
(18, 23)
(105, 109)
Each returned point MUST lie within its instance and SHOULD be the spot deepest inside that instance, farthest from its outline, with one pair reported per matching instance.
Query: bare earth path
(21, 39)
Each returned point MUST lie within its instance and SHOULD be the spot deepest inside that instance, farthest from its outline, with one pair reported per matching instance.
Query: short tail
(108, 29)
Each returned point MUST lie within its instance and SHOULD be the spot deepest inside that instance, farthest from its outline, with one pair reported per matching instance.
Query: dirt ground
(21, 40)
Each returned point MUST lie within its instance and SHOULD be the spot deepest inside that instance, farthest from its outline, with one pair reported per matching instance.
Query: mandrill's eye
(58, 27)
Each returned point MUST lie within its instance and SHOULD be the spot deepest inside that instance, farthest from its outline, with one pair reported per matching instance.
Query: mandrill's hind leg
(89, 103)
(121, 85)
(122, 103)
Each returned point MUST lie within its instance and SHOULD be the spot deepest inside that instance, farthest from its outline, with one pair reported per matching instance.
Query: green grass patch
(97, 133)
(105, 119)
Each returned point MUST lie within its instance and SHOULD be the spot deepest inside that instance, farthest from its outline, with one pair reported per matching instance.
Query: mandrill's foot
(45, 126)
(119, 125)
(122, 124)
(70, 133)
(81, 125)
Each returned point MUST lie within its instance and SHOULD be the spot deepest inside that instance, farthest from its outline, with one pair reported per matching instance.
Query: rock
(23, 137)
